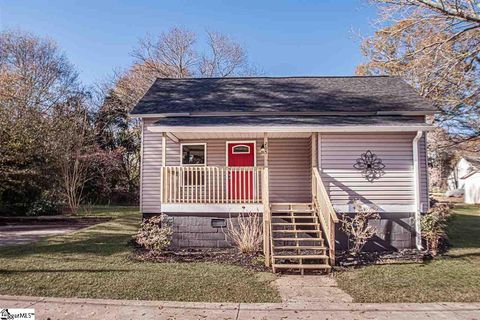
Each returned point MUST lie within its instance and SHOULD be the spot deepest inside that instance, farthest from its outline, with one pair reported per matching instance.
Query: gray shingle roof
(294, 121)
(290, 94)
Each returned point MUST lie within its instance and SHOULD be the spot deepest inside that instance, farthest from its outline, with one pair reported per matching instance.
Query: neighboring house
(466, 176)
(297, 149)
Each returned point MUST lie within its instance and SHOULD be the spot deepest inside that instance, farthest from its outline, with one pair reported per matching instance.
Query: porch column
(314, 160)
(164, 163)
(266, 205)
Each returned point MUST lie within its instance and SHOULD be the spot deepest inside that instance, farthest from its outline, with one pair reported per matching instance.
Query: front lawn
(94, 263)
(454, 277)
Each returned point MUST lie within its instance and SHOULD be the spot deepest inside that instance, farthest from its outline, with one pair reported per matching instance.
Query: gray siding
(290, 170)
(395, 189)
(150, 171)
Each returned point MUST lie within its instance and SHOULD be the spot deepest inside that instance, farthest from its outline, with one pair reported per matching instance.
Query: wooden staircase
(297, 241)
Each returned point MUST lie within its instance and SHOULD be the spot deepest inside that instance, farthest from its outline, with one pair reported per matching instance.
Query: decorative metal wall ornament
(370, 165)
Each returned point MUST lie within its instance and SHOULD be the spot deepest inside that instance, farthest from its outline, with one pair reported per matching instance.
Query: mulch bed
(226, 256)
(344, 259)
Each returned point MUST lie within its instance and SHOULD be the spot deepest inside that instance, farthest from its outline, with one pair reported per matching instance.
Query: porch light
(263, 149)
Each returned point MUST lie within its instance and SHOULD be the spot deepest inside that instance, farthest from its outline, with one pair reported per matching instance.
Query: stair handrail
(326, 213)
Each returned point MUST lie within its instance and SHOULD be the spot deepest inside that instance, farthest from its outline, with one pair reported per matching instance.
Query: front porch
(282, 182)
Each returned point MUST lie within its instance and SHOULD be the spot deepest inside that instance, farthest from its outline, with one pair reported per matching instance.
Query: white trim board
(397, 208)
(289, 128)
(212, 208)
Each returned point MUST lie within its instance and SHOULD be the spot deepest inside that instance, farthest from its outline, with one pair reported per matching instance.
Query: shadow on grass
(464, 227)
(102, 240)
(12, 272)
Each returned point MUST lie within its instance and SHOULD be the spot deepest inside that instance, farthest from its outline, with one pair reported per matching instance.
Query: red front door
(241, 184)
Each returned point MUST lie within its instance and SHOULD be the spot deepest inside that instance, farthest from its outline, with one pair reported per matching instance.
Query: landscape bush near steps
(247, 235)
(357, 226)
(434, 225)
(155, 234)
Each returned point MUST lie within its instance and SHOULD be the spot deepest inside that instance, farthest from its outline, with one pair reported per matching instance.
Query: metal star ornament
(370, 165)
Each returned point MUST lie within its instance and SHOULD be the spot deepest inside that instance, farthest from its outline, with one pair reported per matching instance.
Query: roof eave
(241, 114)
(289, 128)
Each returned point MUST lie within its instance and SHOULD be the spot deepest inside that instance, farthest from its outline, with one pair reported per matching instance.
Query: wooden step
(297, 239)
(290, 204)
(295, 224)
(295, 211)
(293, 217)
(296, 231)
(305, 256)
(301, 266)
(299, 248)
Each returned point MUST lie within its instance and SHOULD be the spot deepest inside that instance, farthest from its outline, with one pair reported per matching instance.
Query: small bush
(434, 225)
(357, 228)
(247, 236)
(155, 234)
(44, 207)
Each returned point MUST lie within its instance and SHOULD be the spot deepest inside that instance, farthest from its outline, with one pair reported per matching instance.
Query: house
(466, 176)
(298, 150)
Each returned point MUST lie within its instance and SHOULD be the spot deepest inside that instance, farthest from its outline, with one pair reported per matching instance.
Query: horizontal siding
(151, 166)
(338, 153)
(290, 170)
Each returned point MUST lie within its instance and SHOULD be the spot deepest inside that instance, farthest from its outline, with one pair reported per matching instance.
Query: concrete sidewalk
(73, 308)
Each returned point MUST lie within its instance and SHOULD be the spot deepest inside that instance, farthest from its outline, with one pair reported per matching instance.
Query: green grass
(454, 277)
(94, 263)
(106, 211)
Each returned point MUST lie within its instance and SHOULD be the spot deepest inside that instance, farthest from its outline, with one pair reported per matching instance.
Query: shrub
(434, 225)
(357, 227)
(155, 234)
(247, 236)
(44, 207)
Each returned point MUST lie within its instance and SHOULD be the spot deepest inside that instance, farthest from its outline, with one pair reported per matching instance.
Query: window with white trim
(194, 154)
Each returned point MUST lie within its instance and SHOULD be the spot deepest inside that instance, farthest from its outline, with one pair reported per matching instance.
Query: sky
(282, 38)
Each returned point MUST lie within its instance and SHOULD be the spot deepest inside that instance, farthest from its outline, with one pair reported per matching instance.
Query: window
(241, 149)
(194, 154)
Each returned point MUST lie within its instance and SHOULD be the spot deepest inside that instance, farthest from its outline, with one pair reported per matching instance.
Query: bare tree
(435, 46)
(171, 54)
(73, 143)
(39, 75)
(225, 57)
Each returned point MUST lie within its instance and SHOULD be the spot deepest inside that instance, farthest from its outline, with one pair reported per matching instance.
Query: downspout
(416, 179)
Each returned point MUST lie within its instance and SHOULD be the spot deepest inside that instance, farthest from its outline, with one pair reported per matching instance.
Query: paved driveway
(58, 308)
(20, 234)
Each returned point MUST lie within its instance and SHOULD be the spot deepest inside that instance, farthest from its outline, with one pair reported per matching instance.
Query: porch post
(164, 163)
(265, 154)
(314, 161)
(266, 205)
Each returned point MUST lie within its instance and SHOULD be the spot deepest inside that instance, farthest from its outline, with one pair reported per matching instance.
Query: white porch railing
(325, 211)
(212, 185)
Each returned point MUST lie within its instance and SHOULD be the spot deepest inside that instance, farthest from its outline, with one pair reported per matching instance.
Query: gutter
(416, 179)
